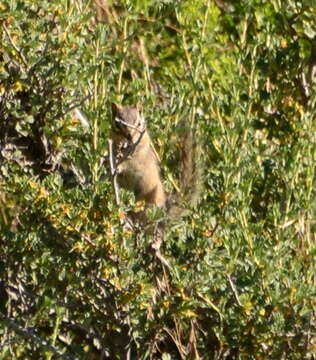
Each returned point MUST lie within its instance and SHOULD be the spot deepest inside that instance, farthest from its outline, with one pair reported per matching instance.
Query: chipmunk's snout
(121, 129)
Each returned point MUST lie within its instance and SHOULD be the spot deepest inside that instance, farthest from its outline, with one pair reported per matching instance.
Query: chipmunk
(137, 164)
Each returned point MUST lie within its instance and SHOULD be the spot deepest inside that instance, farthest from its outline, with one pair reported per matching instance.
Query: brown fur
(138, 166)
(137, 163)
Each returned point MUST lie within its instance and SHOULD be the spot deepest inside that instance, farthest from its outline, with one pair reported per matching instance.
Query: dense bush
(75, 283)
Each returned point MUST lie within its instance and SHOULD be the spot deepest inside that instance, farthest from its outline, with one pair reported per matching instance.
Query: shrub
(75, 283)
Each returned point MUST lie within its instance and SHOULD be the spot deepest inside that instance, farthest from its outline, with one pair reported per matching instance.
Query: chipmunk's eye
(118, 123)
(138, 123)
(120, 128)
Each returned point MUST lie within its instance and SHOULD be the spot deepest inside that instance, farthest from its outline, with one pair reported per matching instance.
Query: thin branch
(89, 332)
(119, 81)
(14, 46)
(234, 290)
(72, 107)
(132, 146)
(306, 85)
(41, 58)
(82, 118)
(29, 334)
(153, 20)
(113, 172)
(129, 125)
(113, 168)
(306, 79)
(89, 241)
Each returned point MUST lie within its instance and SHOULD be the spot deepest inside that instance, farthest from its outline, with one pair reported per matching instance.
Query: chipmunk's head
(127, 122)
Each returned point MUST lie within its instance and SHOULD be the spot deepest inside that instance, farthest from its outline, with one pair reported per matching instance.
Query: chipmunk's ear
(115, 108)
(139, 107)
(140, 116)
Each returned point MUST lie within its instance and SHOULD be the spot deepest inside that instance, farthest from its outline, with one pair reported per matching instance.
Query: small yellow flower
(127, 233)
(70, 228)
(86, 348)
(122, 215)
(18, 86)
(116, 282)
(33, 184)
(247, 308)
(58, 141)
(43, 193)
(9, 20)
(189, 313)
(183, 295)
(283, 43)
(78, 246)
(65, 209)
(59, 11)
(144, 305)
(106, 273)
(139, 206)
(262, 312)
(166, 304)
(288, 101)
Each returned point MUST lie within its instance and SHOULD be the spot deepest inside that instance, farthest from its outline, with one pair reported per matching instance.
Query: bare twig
(14, 46)
(89, 332)
(153, 20)
(45, 48)
(72, 107)
(82, 118)
(311, 73)
(305, 85)
(156, 247)
(187, 54)
(130, 125)
(113, 169)
(89, 241)
(119, 82)
(132, 146)
(306, 79)
(104, 160)
(29, 334)
(234, 290)
(113, 172)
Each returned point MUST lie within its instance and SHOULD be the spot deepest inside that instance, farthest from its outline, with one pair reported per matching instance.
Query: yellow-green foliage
(74, 282)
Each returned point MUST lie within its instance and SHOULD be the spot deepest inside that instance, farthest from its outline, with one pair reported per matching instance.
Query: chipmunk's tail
(190, 165)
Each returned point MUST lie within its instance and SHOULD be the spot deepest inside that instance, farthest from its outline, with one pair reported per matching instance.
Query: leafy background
(74, 282)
